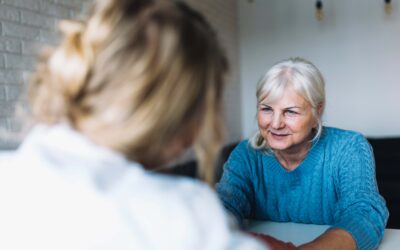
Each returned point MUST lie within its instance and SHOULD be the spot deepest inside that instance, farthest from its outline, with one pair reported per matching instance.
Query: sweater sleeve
(235, 188)
(361, 210)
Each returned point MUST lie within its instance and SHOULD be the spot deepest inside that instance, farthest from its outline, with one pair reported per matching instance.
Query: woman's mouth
(278, 135)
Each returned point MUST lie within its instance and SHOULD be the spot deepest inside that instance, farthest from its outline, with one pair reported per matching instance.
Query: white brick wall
(27, 24)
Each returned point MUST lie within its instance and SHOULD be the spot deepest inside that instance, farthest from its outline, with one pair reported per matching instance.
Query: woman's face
(287, 122)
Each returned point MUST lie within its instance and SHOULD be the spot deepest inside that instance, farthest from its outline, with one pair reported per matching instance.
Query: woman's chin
(281, 144)
(278, 147)
(278, 144)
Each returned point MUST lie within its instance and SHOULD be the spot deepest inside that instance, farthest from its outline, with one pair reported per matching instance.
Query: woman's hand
(273, 243)
(333, 239)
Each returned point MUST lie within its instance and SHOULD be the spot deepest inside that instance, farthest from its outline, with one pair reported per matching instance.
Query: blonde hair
(134, 76)
(306, 80)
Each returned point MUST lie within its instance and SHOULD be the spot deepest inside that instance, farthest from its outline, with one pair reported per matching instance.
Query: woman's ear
(320, 108)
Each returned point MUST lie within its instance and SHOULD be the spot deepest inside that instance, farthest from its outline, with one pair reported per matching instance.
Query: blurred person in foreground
(127, 91)
(294, 169)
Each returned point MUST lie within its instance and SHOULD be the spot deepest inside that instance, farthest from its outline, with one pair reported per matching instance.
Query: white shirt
(61, 191)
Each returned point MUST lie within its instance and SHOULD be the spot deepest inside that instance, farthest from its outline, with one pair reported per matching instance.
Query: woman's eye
(266, 109)
(291, 112)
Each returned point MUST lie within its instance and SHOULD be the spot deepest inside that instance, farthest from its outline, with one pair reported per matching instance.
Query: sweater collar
(314, 156)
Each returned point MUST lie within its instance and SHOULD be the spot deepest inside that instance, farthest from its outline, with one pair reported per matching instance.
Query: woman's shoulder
(341, 135)
(244, 148)
(189, 206)
(178, 186)
(339, 140)
(179, 195)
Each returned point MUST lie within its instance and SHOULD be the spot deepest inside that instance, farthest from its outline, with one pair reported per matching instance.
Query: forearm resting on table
(330, 240)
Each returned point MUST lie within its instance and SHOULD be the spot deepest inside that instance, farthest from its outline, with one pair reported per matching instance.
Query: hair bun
(71, 28)
(71, 61)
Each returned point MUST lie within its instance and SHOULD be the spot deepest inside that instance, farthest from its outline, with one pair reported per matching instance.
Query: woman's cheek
(263, 120)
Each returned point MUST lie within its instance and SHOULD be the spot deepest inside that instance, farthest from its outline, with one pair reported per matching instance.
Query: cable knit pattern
(335, 185)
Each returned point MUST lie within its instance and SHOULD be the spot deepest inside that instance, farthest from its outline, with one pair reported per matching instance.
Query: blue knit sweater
(334, 185)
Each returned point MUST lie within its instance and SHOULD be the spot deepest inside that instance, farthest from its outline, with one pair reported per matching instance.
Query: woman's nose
(277, 121)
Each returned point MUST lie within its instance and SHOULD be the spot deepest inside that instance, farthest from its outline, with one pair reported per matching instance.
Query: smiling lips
(279, 136)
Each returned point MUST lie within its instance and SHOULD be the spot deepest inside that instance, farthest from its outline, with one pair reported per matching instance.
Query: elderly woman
(294, 169)
(127, 90)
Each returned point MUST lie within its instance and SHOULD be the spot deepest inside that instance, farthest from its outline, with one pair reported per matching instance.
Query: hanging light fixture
(319, 12)
(388, 7)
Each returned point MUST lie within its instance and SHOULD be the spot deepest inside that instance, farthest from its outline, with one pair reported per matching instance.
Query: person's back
(61, 191)
(128, 90)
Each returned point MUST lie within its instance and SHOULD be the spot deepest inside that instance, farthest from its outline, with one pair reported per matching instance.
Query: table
(302, 233)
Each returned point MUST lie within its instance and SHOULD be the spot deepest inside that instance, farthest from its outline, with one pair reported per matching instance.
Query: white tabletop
(302, 233)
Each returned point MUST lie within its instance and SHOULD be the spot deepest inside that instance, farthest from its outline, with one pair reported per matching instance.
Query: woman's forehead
(285, 97)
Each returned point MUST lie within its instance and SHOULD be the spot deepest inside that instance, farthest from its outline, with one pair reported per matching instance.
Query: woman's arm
(360, 215)
(235, 188)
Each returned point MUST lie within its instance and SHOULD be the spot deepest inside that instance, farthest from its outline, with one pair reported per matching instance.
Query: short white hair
(306, 80)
